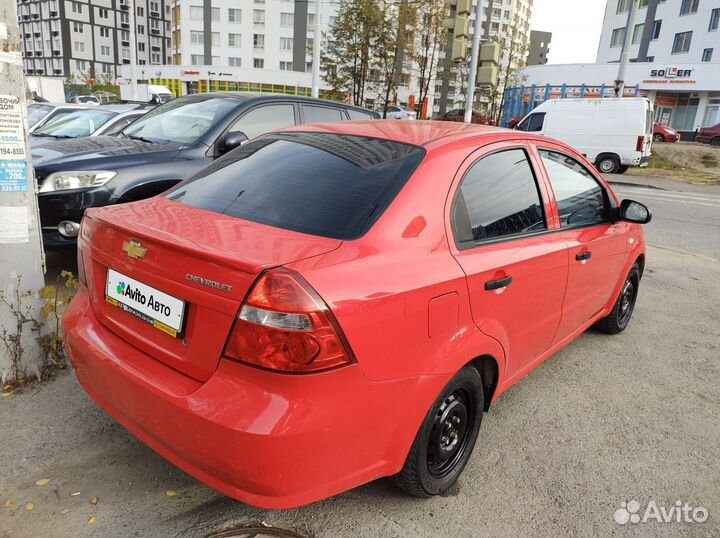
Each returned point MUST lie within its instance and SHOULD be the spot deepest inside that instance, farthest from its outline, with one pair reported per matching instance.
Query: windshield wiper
(141, 138)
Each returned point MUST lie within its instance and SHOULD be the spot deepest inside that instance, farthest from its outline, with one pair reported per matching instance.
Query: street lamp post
(473, 62)
(625, 54)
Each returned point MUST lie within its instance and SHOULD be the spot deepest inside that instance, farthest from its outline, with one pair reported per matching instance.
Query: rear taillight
(640, 146)
(284, 325)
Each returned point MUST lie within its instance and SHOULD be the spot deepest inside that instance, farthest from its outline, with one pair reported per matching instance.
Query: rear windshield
(322, 184)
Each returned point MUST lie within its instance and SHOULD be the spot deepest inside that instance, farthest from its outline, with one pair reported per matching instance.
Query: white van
(612, 133)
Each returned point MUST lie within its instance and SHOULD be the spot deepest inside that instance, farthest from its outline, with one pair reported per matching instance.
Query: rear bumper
(266, 439)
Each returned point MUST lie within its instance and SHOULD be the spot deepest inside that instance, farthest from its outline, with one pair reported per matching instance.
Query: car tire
(445, 441)
(608, 164)
(715, 142)
(619, 318)
(623, 169)
(658, 138)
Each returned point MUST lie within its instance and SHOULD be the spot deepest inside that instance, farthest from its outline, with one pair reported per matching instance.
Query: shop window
(712, 112)
(683, 118)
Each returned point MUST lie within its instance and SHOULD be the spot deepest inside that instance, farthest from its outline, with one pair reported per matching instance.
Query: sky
(575, 25)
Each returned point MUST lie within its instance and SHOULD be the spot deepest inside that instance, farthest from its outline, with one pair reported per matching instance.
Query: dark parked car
(709, 135)
(166, 145)
(458, 115)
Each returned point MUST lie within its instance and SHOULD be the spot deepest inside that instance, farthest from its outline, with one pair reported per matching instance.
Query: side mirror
(632, 211)
(230, 141)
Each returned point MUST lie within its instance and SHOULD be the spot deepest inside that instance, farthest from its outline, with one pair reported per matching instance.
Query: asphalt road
(606, 421)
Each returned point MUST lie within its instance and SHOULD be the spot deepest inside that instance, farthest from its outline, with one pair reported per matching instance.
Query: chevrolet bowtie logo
(134, 250)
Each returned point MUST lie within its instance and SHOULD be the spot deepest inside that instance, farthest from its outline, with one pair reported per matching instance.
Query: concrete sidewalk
(660, 183)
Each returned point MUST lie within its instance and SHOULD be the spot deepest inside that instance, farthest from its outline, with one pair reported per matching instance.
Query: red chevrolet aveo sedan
(335, 303)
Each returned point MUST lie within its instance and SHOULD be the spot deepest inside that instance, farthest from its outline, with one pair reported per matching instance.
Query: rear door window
(317, 114)
(264, 119)
(359, 114)
(323, 184)
(498, 197)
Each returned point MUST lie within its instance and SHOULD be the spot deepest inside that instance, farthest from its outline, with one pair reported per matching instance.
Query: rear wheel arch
(715, 141)
(640, 261)
(487, 367)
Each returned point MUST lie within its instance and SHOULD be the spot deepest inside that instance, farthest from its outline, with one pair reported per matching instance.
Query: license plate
(162, 311)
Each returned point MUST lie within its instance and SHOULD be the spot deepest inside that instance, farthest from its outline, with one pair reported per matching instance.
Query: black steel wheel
(622, 311)
(446, 438)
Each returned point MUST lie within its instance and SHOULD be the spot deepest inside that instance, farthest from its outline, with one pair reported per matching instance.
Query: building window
(197, 59)
(258, 16)
(637, 33)
(689, 6)
(714, 19)
(234, 15)
(215, 39)
(76, 8)
(682, 41)
(196, 14)
(642, 4)
(285, 66)
(215, 14)
(103, 14)
(259, 41)
(623, 6)
(707, 55)
(234, 61)
(140, 11)
(618, 37)
(657, 25)
(104, 32)
(287, 19)
(197, 37)
(286, 43)
(104, 50)
(141, 29)
(79, 46)
(311, 20)
(234, 40)
(258, 63)
(141, 47)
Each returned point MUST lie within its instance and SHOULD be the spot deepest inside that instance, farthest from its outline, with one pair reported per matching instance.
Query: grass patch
(703, 171)
(709, 160)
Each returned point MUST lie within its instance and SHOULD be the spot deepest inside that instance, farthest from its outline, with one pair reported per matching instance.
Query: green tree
(431, 39)
(349, 52)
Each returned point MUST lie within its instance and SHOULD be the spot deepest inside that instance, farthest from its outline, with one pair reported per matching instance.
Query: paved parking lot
(606, 421)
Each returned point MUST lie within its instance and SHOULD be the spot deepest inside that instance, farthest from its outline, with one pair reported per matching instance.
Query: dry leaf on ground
(42, 482)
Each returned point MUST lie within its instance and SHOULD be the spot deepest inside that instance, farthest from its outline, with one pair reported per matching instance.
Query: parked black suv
(156, 151)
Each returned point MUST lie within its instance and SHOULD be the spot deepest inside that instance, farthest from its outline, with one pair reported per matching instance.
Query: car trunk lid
(200, 263)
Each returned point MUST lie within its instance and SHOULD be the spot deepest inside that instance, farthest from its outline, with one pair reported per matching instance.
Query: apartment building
(259, 34)
(507, 20)
(686, 31)
(674, 55)
(539, 48)
(81, 40)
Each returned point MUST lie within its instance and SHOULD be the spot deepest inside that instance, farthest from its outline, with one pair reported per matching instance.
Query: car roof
(261, 96)
(418, 132)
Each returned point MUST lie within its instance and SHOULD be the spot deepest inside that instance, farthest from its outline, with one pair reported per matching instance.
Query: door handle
(497, 284)
(582, 256)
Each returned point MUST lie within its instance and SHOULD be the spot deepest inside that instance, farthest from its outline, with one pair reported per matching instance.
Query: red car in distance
(709, 135)
(334, 303)
(663, 133)
(458, 115)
